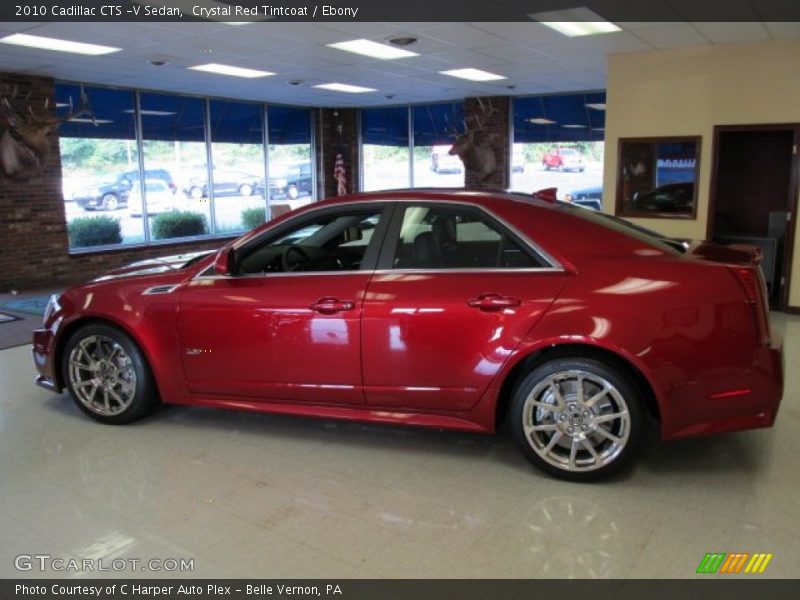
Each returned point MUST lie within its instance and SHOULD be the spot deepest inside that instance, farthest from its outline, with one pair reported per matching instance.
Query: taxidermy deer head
(24, 145)
(473, 146)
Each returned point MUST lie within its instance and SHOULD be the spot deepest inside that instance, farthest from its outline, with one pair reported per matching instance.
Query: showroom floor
(249, 495)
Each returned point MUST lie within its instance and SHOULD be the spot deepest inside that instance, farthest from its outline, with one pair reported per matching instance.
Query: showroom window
(291, 174)
(436, 127)
(175, 202)
(99, 164)
(173, 140)
(558, 142)
(385, 148)
(237, 154)
(453, 238)
(404, 146)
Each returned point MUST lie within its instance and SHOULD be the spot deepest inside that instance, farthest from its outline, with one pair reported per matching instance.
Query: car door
(287, 325)
(455, 293)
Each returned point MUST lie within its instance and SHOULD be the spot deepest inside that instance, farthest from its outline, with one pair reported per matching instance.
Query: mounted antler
(24, 145)
(473, 146)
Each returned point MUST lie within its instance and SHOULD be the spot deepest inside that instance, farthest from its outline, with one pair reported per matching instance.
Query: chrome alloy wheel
(576, 421)
(102, 375)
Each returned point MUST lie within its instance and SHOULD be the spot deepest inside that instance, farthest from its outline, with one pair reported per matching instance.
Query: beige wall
(689, 91)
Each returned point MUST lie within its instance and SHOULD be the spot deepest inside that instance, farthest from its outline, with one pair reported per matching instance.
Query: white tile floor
(262, 496)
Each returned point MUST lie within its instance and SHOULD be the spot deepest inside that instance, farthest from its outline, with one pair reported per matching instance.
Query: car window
(452, 238)
(335, 242)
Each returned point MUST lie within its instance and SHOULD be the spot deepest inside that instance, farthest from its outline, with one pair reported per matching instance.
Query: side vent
(159, 289)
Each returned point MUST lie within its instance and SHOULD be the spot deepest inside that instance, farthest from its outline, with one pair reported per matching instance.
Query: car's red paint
(438, 348)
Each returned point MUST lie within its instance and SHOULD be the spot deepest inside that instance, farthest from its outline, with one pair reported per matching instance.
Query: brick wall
(330, 142)
(496, 128)
(34, 248)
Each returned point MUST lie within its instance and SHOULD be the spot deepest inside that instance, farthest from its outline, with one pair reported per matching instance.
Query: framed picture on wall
(657, 177)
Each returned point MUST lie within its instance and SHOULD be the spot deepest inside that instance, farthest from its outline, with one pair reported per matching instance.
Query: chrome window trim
(468, 270)
(553, 265)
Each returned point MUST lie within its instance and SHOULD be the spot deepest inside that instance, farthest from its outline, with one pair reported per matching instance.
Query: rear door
(455, 293)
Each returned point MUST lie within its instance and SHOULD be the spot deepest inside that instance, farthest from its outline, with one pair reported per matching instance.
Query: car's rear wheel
(196, 192)
(110, 201)
(578, 419)
(107, 375)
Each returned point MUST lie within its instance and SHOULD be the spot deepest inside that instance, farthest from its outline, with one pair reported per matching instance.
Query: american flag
(340, 175)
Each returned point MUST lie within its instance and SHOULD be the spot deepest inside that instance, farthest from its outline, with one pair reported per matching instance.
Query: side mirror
(223, 263)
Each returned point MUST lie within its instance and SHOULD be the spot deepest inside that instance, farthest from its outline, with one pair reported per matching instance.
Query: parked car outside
(668, 198)
(563, 159)
(111, 193)
(444, 162)
(589, 197)
(449, 309)
(227, 182)
(290, 180)
(158, 197)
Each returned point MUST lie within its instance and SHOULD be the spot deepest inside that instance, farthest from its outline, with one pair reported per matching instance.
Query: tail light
(752, 282)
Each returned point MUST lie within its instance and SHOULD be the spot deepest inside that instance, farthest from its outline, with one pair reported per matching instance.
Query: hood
(154, 266)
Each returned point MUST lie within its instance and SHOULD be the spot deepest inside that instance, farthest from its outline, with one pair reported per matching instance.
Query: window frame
(385, 263)
(371, 254)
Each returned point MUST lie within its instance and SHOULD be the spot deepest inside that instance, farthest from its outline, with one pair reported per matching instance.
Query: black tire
(126, 368)
(573, 417)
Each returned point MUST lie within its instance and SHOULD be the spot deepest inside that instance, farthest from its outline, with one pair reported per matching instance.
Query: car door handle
(493, 302)
(329, 306)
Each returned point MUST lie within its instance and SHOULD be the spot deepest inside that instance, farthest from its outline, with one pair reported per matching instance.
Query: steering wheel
(297, 262)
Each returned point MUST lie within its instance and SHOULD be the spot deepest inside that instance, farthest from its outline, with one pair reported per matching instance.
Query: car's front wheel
(107, 375)
(110, 201)
(577, 419)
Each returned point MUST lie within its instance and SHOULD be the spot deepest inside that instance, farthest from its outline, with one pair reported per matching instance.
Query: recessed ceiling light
(597, 105)
(541, 121)
(344, 87)
(574, 22)
(472, 74)
(48, 43)
(229, 70)
(372, 49)
(403, 40)
(574, 126)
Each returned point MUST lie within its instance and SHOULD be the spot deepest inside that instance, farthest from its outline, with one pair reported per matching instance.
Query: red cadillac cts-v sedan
(452, 309)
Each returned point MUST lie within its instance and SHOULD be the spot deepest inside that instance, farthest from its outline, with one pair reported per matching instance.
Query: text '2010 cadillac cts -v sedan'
(452, 309)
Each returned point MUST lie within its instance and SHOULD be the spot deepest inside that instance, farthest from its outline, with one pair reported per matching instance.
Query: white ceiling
(534, 58)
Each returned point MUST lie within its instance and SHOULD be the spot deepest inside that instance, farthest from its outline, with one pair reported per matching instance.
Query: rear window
(648, 236)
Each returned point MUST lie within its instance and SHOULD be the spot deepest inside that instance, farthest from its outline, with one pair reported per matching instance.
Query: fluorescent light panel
(372, 49)
(344, 87)
(574, 126)
(575, 22)
(472, 74)
(541, 121)
(151, 113)
(87, 120)
(597, 105)
(230, 70)
(48, 43)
